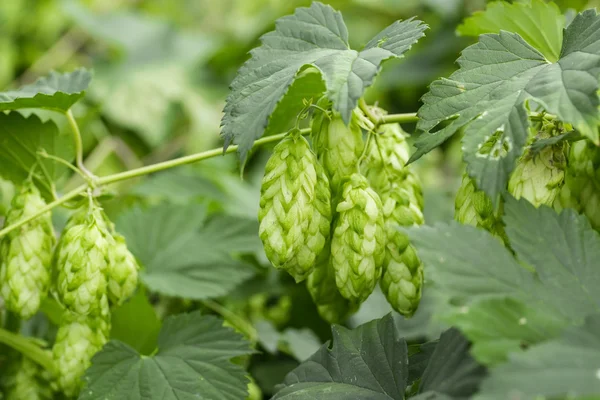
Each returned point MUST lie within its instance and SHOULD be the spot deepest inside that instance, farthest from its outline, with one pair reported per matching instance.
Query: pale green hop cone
(337, 146)
(295, 207)
(77, 340)
(81, 262)
(26, 254)
(331, 305)
(582, 181)
(402, 279)
(122, 271)
(24, 380)
(358, 243)
(539, 178)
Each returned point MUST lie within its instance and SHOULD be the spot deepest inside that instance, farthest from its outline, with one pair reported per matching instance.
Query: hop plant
(321, 285)
(539, 177)
(25, 380)
(581, 190)
(402, 278)
(26, 254)
(358, 243)
(82, 259)
(122, 271)
(295, 207)
(338, 146)
(77, 340)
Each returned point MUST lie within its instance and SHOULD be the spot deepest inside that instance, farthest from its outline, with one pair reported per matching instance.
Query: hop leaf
(358, 243)
(295, 207)
(26, 254)
(538, 178)
(25, 380)
(77, 340)
(402, 278)
(338, 146)
(122, 271)
(82, 259)
(332, 306)
(581, 190)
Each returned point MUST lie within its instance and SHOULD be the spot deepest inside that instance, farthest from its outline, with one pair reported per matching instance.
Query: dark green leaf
(314, 36)
(369, 362)
(540, 144)
(193, 361)
(55, 92)
(180, 258)
(20, 140)
(498, 77)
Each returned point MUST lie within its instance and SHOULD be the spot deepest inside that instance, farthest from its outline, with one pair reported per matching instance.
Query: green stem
(27, 348)
(405, 118)
(78, 146)
(232, 317)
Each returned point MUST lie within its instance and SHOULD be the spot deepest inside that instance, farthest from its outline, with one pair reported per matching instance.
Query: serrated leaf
(55, 92)
(369, 362)
(20, 140)
(475, 273)
(314, 36)
(179, 257)
(498, 76)
(540, 23)
(451, 370)
(193, 361)
(562, 368)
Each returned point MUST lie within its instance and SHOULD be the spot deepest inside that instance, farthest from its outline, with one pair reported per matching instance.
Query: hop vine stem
(28, 348)
(149, 169)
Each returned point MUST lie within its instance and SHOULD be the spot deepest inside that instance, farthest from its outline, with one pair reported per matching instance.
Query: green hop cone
(122, 271)
(402, 278)
(26, 254)
(81, 261)
(25, 380)
(338, 146)
(77, 340)
(331, 305)
(295, 207)
(254, 392)
(582, 181)
(538, 178)
(358, 243)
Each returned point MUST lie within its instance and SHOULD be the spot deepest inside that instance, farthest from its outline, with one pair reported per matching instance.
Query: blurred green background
(161, 74)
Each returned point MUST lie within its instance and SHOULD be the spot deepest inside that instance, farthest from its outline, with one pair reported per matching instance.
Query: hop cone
(538, 178)
(358, 243)
(295, 209)
(402, 278)
(77, 340)
(82, 259)
(122, 271)
(332, 306)
(24, 381)
(582, 181)
(26, 254)
(338, 146)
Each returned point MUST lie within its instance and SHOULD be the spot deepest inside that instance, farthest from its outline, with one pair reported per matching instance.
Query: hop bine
(295, 207)
(358, 243)
(26, 254)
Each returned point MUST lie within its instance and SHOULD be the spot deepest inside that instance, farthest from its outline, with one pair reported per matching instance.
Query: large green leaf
(500, 304)
(562, 368)
(192, 362)
(369, 362)
(55, 92)
(184, 255)
(539, 22)
(488, 95)
(20, 140)
(314, 36)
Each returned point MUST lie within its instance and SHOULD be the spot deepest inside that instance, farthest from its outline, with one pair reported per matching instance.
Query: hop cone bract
(358, 243)
(295, 207)
(582, 181)
(122, 271)
(26, 254)
(402, 278)
(24, 380)
(337, 146)
(77, 340)
(82, 259)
